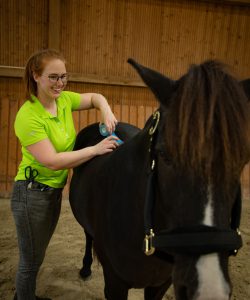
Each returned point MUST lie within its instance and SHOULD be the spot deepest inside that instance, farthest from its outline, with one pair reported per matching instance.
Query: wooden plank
(4, 124)
(125, 113)
(83, 119)
(117, 111)
(92, 118)
(148, 112)
(140, 116)
(133, 115)
(54, 24)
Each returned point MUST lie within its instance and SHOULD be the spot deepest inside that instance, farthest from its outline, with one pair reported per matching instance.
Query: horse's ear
(160, 85)
(246, 86)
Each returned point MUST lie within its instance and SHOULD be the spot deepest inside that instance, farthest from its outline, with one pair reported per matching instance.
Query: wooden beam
(54, 24)
(233, 2)
(107, 80)
(8, 71)
(18, 72)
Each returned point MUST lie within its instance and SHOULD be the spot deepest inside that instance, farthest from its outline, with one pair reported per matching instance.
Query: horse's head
(200, 147)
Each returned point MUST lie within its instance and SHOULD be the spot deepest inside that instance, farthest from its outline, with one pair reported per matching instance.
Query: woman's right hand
(45, 153)
(107, 145)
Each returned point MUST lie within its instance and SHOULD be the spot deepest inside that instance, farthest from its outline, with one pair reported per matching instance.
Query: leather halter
(197, 240)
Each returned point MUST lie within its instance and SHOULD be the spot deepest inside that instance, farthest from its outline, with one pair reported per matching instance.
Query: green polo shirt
(33, 124)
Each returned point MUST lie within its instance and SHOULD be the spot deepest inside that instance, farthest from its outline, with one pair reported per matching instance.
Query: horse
(164, 207)
(90, 136)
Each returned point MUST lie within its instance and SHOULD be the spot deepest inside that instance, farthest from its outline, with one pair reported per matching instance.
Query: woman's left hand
(109, 119)
(90, 100)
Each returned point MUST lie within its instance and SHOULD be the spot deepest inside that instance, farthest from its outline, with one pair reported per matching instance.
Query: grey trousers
(36, 212)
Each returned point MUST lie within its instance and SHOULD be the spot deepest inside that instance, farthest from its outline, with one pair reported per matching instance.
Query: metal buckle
(148, 248)
(156, 116)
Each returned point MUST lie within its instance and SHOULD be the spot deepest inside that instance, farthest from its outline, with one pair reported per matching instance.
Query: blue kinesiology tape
(103, 131)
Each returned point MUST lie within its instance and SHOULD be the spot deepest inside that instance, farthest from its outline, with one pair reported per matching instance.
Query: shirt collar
(42, 112)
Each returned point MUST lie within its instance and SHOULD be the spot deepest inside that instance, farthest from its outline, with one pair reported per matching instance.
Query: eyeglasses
(53, 78)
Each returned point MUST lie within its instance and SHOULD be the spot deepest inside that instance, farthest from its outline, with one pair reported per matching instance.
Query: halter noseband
(200, 239)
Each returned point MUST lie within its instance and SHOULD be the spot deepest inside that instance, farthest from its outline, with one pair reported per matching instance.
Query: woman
(45, 129)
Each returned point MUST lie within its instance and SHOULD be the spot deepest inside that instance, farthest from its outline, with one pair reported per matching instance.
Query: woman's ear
(35, 76)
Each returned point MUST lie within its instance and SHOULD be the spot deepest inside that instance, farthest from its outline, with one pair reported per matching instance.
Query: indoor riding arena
(97, 37)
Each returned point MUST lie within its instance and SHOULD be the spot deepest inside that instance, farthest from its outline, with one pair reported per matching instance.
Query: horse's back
(90, 135)
(90, 177)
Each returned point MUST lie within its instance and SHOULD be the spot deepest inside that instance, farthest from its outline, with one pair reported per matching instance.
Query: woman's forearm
(67, 160)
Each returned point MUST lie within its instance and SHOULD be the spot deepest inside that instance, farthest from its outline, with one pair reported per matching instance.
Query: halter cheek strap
(149, 203)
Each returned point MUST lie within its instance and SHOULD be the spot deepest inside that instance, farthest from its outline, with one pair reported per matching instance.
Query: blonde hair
(36, 64)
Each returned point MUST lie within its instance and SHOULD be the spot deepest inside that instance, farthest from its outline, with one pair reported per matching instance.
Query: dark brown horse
(165, 206)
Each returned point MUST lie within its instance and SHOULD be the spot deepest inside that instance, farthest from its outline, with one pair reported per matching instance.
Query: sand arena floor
(58, 277)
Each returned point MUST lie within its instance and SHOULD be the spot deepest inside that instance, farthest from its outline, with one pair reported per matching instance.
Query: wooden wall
(98, 36)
